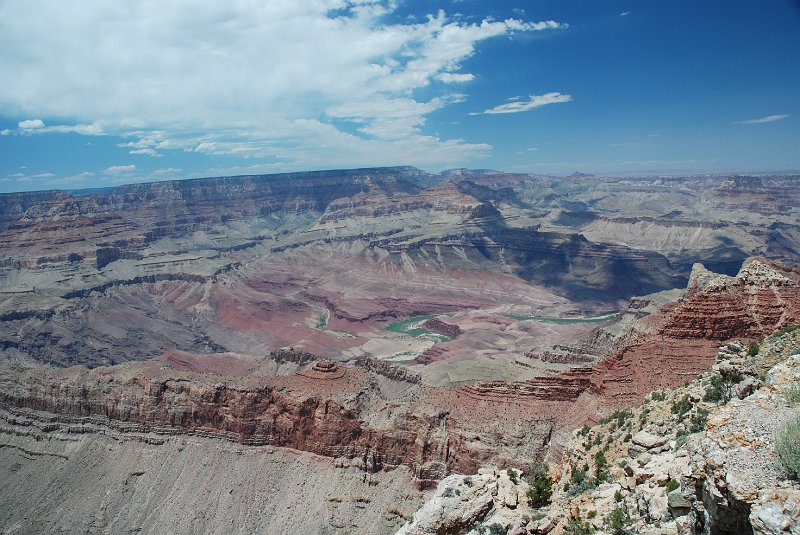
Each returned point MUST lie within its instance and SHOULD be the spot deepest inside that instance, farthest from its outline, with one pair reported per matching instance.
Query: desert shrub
(512, 475)
(786, 330)
(628, 437)
(617, 496)
(600, 466)
(448, 493)
(468, 481)
(541, 485)
(495, 529)
(584, 431)
(658, 396)
(672, 485)
(787, 447)
(719, 391)
(680, 407)
(580, 481)
(617, 522)
(753, 349)
(576, 526)
(591, 514)
(698, 421)
(792, 394)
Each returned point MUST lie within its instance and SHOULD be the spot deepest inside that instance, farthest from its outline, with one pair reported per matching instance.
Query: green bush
(600, 466)
(495, 529)
(787, 330)
(787, 447)
(617, 496)
(541, 485)
(580, 482)
(698, 421)
(672, 485)
(658, 396)
(753, 349)
(576, 526)
(512, 475)
(617, 522)
(719, 391)
(792, 394)
(680, 407)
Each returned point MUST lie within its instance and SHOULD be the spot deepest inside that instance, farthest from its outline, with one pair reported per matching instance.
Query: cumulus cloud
(450, 77)
(31, 124)
(767, 119)
(120, 169)
(265, 79)
(535, 101)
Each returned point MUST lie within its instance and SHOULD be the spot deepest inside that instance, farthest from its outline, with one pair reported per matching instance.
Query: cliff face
(377, 417)
(324, 409)
(680, 343)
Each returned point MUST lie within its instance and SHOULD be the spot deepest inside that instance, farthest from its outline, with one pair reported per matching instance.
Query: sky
(98, 93)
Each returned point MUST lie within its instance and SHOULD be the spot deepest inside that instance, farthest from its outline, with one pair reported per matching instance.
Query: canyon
(354, 337)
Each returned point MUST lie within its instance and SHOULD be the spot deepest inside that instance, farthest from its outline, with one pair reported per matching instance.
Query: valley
(388, 326)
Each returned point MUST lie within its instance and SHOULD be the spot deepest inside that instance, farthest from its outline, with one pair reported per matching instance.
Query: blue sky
(100, 93)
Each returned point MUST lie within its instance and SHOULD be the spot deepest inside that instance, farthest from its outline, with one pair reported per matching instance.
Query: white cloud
(244, 78)
(43, 175)
(146, 152)
(120, 169)
(450, 77)
(168, 171)
(535, 101)
(624, 13)
(31, 124)
(767, 119)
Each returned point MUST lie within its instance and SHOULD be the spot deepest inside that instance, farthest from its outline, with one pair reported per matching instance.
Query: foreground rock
(493, 500)
(696, 460)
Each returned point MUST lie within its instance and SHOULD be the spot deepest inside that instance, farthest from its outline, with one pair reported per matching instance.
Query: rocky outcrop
(697, 460)
(326, 409)
(438, 326)
(493, 500)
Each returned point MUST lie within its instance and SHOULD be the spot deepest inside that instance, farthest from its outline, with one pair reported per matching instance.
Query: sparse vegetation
(620, 416)
(672, 485)
(617, 496)
(786, 330)
(600, 467)
(792, 394)
(618, 522)
(753, 349)
(580, 481)
(719, 390)
(698, 421)
(541, 485)
(658, 396)
(495, 529)
(577, 526)
(681, 407)
(512, 475)
(787, 447)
